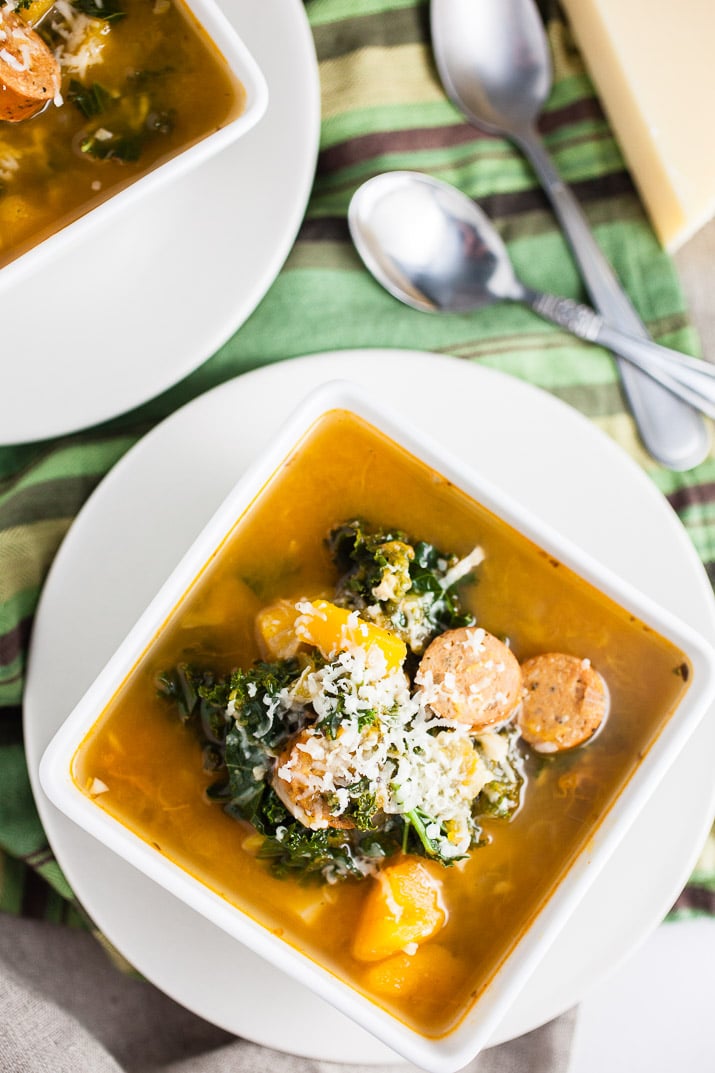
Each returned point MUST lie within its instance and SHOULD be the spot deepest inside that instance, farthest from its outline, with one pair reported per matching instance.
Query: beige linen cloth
(64, 1008)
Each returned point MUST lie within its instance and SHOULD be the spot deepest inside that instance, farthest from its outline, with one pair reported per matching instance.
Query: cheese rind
(652, 66)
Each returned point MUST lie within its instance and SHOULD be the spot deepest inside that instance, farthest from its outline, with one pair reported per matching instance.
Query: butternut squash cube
(34, 11)
(335, 629)
(275, 630)
(433, 971)
(403, 907)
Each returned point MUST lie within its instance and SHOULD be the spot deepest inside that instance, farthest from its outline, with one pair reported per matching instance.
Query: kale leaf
(108, 10)
(417, 840)
(200, 696)
(92, 100)
(246, 719)
(125, 147)
(427, 571)
(260, 727)
(501, 796)
(328, 853)
(397, 584)
(255, 696)
(362, 557)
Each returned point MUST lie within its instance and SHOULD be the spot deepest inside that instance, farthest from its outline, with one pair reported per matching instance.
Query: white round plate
(143, 516)
(119, 317)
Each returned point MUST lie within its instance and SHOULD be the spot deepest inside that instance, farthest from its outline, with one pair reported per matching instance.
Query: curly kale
(243, 725)
(200, 697)
(240, 721)
(247, 719)
(418, 839)
(501, 797)
(427, 572)
(396, 584)
(327, 853)
(363, 557)
(108, 10)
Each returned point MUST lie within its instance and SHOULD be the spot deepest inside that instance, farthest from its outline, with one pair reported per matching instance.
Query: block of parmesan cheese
(653, 65)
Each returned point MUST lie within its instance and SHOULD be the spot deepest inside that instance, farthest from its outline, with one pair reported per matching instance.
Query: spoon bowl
(434, 249)
(500, 77)
(493, 59)
(429, 245)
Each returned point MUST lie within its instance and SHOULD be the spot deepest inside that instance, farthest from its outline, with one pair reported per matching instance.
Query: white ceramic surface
(520, 438)
(452, 1051)
(631, 1022)
(79, 233)
(127, 311)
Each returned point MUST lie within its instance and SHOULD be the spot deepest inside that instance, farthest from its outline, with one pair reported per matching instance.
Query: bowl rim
(243, 67)
(450, 1052)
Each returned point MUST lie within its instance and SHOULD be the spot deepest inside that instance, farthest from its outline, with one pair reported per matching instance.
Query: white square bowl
(242, 66)
(454, 1049)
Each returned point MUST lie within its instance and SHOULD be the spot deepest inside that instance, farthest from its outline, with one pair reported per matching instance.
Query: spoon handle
(690, 379)
(672, 432)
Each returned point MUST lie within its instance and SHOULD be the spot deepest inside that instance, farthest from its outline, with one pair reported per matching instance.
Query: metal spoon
(433, 248)
(493, 59)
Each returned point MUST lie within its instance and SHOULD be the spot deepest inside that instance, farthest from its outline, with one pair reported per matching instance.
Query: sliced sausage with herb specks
(565, 702)
(297, 781)
(29, 72)
(470, 676)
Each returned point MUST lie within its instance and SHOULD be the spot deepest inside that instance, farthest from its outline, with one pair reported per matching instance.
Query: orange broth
(151, 763)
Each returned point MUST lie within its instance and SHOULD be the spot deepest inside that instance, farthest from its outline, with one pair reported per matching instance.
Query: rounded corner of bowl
(54, 774)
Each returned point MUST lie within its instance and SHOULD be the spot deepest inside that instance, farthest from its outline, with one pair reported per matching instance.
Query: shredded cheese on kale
(339, 762)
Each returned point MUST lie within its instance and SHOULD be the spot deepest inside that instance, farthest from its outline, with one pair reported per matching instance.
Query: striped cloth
(383, 108)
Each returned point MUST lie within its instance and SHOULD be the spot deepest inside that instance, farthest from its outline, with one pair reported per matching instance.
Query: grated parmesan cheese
(12, 61)
(359, 743)
(406, 756)
(462, 568)
(83, 37)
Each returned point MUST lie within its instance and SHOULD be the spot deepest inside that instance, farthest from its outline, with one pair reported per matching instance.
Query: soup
(140, 82)
(144, 764)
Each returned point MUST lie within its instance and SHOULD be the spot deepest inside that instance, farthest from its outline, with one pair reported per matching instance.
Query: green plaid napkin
(383, 108)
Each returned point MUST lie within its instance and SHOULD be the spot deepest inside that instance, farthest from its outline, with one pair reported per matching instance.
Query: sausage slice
(565, 701)
(470, 676)
(300, 767)
(29, 71)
